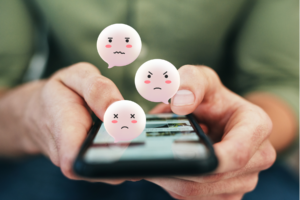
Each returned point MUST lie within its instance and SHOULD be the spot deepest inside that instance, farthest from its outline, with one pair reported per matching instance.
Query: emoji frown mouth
(158, 88)
(119, 52)
(124, 127)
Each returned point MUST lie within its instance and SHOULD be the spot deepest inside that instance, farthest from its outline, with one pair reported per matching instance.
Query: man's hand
(53, 116)
(239, 129)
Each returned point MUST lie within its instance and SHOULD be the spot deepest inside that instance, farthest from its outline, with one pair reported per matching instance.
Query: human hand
(57, 115)
(239, 129)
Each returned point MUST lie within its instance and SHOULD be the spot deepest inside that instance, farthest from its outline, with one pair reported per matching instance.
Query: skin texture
(239, 129)
(283, 118)
(53, 118)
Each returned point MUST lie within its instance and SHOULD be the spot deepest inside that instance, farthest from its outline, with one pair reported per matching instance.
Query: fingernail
(183, 98)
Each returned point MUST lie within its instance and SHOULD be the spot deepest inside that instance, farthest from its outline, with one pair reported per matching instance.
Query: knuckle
(82, 65)
(265, 122)
(66, 168)
(242, 157)
(57, 74)
(269, 124)
(272, 156)
(96, 86)
(211, 75)
(83, 69)
(259, 134)
(251, 183)
(209, 71)
(206, 74)
(189, 70)
(269, 156)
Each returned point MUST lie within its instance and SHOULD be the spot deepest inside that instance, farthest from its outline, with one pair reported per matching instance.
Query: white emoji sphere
(119, 45)
(124, 120)
(157, 80)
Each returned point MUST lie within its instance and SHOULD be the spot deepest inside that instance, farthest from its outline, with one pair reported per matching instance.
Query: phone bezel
(145, 168)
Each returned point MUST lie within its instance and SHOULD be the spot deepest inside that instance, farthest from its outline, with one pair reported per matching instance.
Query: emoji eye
(127, 40)
(132, 116)
(110, 40)
(115, 116)
(149, 76)
(166, 76)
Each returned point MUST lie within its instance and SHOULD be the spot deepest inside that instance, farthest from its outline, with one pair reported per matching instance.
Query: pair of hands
(57, 118)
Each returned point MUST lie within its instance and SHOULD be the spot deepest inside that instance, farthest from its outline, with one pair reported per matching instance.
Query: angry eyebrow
(110, 38)
(165, 73)
(150, 73)
(127, 38)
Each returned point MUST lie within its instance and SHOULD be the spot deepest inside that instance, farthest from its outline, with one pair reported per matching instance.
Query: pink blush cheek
(114, 121)
(147, 81)
(128, 46)
(134, 121)
(108, 46)
(168, 82)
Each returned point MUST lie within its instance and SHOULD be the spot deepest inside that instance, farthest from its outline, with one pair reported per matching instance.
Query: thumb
(197, 84)
(86, 80)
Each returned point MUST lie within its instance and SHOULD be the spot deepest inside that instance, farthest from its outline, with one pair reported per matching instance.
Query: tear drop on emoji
(157, 80)
(119, 45)
(124, 120)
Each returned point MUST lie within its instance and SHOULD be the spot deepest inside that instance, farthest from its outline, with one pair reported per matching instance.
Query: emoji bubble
(119, 45)
(124, 120)
(157, 80)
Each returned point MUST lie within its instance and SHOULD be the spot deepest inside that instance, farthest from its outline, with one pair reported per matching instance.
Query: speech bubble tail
(110, 66)
(166, 102)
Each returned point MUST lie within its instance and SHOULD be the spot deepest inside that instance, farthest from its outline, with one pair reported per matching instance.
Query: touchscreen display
(166, 136)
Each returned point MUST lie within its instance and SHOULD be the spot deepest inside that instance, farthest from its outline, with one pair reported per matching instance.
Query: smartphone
(169, 145)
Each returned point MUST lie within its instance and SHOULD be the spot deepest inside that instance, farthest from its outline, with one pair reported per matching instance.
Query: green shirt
(253, 45)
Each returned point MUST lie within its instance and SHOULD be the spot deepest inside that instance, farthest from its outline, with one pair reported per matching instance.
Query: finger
(245, 131)
(204, 128)
(243, 125)
(85, 79)
(107, 181)
(241, 184)
(71, 130)
(214, 197)
(69, 127)
(161, 108)
(73, 120)
(174, 195)
(202, 93)
(261, 160)
(219, 197)
(197, 84)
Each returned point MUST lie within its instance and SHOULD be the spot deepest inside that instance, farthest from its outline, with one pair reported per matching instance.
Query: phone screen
(166, 136)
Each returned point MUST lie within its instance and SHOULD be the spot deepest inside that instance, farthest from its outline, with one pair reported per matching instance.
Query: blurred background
(252, 45)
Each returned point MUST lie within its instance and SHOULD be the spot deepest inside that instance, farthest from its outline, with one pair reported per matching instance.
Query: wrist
(15, 137)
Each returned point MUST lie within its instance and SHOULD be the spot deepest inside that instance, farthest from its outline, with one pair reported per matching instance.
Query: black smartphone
(170, 145)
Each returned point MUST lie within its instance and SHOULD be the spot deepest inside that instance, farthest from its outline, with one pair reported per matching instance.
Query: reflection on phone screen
(166, 136)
